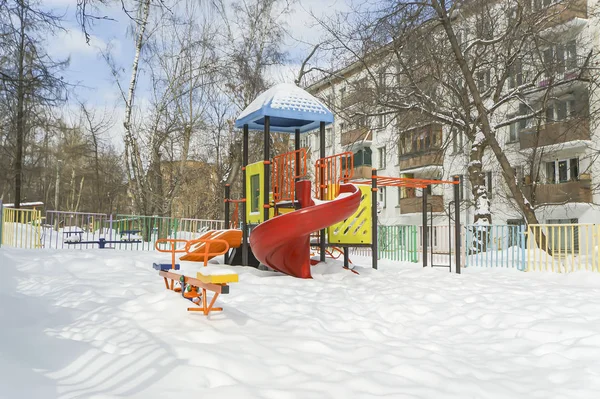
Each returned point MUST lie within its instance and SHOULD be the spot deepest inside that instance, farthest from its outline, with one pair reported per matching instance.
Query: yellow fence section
(21, 228)
(562, 247)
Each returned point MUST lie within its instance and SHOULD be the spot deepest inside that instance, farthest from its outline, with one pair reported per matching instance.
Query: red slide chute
(283, 243)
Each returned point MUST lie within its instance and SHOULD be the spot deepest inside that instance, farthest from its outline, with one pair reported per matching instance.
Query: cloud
(72, 43)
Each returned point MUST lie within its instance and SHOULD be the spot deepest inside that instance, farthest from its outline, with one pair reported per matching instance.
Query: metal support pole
(346, 258)
(374, 254)
(297, 148)
(322, 189)
(227, 194)
(267, 142)
(245, 202)
(457, 223)
(425, 241)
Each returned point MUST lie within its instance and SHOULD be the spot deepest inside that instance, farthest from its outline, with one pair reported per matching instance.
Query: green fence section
(398, 243)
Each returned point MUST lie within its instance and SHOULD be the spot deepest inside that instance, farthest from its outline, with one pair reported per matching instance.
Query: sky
(94, 82)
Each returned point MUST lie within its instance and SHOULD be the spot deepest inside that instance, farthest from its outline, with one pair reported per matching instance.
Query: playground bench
(102, 243)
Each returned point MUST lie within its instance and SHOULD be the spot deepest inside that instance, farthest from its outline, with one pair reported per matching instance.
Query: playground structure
(195, 289)
(278, 212)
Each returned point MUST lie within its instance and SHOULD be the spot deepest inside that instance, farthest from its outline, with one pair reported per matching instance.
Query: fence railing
(495, 246)
(542, 247)
(398, 243)
(562, 247)
(21, 228)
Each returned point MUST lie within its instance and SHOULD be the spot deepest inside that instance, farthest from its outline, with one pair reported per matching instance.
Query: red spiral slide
(283, 243)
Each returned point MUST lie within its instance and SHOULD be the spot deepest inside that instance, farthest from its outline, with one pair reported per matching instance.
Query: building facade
(549, 132)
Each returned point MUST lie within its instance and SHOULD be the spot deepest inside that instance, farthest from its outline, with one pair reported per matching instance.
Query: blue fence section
(495, 246)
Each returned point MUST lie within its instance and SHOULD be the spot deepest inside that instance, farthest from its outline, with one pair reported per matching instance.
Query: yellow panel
(253, 169)
(218, 278)
(357, 228)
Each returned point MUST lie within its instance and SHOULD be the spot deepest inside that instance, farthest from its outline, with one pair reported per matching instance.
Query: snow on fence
(562, 247)
(495, 246)
(21, 228)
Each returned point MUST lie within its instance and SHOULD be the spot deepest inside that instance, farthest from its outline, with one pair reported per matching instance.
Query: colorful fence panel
(398, 243)
(495, 246)
(21, 228)
(563, 247)
(75, 230)
(441, 245)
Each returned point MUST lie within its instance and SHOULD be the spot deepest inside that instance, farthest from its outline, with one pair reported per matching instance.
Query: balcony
(564, 71)
(555, 133)
(564, 12)
(434, 157)
(354, 136)
(562, 193)
(362, 95)
(415, 204)
(362, 172)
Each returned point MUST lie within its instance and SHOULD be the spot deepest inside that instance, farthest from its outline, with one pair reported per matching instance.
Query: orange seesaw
(218, 284)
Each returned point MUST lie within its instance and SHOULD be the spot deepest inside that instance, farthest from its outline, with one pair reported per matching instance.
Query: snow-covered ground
(100, 324)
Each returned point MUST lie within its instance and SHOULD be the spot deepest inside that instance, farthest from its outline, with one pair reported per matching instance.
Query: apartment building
(550, 133)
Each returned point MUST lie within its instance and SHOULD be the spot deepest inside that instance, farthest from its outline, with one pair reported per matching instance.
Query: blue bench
(164, 266)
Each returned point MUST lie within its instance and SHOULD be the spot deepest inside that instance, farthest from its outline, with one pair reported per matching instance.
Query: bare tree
(458, 63)
(30, 78)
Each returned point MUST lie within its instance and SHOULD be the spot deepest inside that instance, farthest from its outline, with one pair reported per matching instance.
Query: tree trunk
(57, 185)
(508, 172)
(132, 151)
(483, 216)
(20, 125)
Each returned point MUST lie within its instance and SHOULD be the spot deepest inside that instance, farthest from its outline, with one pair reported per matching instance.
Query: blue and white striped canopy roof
(289, 108)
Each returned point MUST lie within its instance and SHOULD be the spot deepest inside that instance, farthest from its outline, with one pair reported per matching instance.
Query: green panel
(398, 243)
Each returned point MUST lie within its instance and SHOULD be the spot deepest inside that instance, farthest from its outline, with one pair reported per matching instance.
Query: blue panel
(164, 266)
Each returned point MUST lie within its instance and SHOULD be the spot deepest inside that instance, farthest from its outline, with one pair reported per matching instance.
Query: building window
(457, 141)
(561, 110)
(562, 171)
(489, 183)
(381, 80)
(255, 192)
(461, 187)
(381, 157)
(515, 75)
(381, 196)
(484, 80)
(561, 57)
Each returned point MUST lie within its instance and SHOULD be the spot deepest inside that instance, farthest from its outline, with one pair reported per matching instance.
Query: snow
(100, 324)
(479, 138)
(28, 204)
(286, 96)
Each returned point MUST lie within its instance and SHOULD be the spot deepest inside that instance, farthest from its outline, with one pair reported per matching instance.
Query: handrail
(287, 168)
(207, 242)
(173, 250)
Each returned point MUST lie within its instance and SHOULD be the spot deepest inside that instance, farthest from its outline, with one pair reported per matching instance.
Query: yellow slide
(197, 251)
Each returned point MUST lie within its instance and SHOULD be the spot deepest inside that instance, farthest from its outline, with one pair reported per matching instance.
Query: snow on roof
(289, 108)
